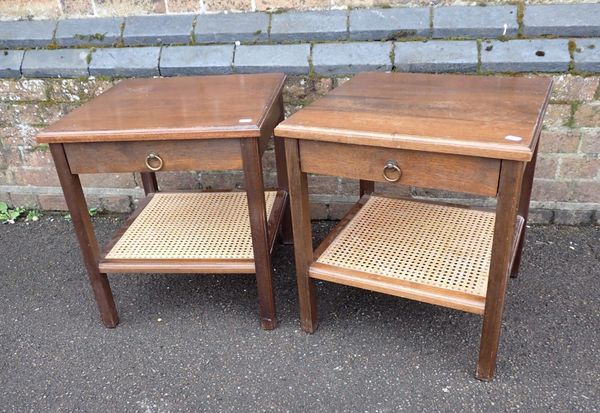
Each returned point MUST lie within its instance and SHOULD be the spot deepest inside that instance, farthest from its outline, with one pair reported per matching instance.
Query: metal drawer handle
(154, 162)
(392, 168)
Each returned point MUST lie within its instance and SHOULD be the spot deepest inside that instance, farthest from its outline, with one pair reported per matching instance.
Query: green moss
(520, 16)
(572, 50)
(96, 37)
(40, 147)
(401, 34)
(479, 54)
(571, 122)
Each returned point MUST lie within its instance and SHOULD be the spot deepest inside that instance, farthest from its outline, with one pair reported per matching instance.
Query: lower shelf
(430, 252)
(185, 232)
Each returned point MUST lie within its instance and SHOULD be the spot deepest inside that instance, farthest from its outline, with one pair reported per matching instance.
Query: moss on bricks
(520, 17)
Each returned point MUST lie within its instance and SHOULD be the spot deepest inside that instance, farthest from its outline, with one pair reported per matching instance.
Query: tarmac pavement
(190, 343)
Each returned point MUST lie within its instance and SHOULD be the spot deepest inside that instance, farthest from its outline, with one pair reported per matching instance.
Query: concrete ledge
(562, 20)
(346, 58)
(232, 27)
(153, 30)
(289, 58)
(309, 25)
(542, 55)
(10, 63)
(92, 32)
(55, 63)
(27, 33)
(436, 56)
(587, 55)
(196, 60)
(474, 21)
(127, 61)
(389, 24)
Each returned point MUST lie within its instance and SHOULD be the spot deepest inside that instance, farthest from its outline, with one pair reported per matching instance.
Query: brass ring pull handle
(154, 162)
(391, 171)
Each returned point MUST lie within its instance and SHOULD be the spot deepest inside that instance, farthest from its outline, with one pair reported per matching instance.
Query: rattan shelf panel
(190, 226)
(430, 252)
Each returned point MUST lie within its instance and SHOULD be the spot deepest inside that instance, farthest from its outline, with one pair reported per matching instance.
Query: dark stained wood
(504, 232)
(423, 169)
(251, 156)
(149, 182)
(278, 214)
(200, 107)
(365, 187)
(459, 114)
(524, 210)
(282, 182)
(302, 237)
(216, 154)
(85, 235)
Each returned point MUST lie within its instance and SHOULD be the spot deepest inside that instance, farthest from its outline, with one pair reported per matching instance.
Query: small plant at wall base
(9, 215)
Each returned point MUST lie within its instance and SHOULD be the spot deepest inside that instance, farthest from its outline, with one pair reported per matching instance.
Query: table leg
(149, 182)
(85, 235)
(303, 248)
(282, 183)
(511, 176)
(260, 237)
(524, 210)
(366, 187)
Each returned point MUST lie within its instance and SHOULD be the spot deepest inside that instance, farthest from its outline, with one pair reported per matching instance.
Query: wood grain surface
(487, 116)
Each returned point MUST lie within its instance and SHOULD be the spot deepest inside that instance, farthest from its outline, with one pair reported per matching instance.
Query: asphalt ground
(193, 343)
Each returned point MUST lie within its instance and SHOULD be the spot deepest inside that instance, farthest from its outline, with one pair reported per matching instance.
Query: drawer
(423, 169)
(184, 155)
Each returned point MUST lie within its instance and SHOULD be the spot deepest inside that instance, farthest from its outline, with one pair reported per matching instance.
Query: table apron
(183, 155)
(450, 172)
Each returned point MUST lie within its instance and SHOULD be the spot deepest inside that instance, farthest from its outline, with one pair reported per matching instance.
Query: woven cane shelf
(429, 252)
(190, 232)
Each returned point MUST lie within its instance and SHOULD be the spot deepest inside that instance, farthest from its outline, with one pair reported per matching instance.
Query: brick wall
(566, 190)
(52, 9)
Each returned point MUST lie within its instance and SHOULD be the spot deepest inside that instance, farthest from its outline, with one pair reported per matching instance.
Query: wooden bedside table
(471, 134)
(174, 124)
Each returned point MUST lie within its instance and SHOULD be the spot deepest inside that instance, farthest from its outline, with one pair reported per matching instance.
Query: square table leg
(303, 249)
(149, 182)
(511, 177)
(282, 183)
(252, 164)
(524, 209)
(84, 230)
(366, 187)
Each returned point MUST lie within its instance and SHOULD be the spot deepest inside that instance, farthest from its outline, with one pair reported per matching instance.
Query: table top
(199, 107)
(488, 116)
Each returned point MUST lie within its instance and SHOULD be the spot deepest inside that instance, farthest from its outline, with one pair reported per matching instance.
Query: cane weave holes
(436, 245)
(212, 225)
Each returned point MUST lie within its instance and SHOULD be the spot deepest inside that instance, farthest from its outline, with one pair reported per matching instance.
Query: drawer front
(99, 157)
(423, 169)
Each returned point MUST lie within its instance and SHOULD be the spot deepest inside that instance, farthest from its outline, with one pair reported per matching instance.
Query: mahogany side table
(174, 124)
(469, 134)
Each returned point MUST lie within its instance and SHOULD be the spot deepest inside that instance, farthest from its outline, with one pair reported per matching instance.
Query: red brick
(75, 90)
(321, 184)
(120, 180)
(24, 200)
(22, 90)
(580, 167)
(337, 210)
(318, 211)
(573, 191)
(176, 180)
(183, 6)
(33, 113)
(590, 140)
(224, 5)
(26, 175)
(222, 180)
(323, 85)
(49, 202)
(77, 8)
(588, 115)
(546, 167)
(117, 203)
(37, 158)
(559, 140)
(574, 88)
(557, 115)
(20, 135)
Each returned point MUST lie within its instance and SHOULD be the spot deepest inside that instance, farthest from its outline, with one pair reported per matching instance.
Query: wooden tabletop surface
(489, 116)
(229, 106)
